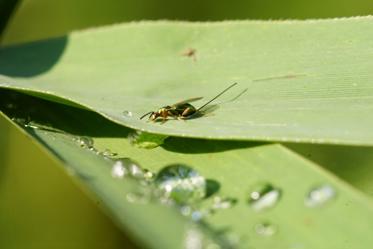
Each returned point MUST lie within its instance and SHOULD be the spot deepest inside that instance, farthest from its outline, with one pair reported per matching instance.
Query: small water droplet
(84, 142)
(181, 183)
(265, 229)
(148, 175)
(127, 113)
(118, 170)
(223, 203)
(145, 140)
(20, 121)
(319, 196)
(106, 153)
(264, 196)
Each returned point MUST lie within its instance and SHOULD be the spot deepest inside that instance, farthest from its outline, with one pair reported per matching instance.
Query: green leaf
(306, 81)
(235, 167)
(36, 193)
(352, 164)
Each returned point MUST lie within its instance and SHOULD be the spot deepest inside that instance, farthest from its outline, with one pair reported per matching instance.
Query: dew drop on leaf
(127, 114)
(118, 170)
(84, 142)
(181, 184)
(129, 167)
(265, 229)
(223, 203)
(264, 196)
(319, 196)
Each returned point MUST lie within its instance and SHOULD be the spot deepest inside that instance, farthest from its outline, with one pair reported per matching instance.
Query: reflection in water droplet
(265, 229)
(264, 196)
(181, 184)
(127, 113)
(135, 170)
(319, 196)
(145, 140)
(118, 170)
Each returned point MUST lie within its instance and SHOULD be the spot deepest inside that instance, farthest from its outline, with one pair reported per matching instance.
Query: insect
(180, 110)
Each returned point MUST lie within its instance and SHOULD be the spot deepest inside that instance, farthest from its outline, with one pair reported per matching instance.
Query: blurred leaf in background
(58, 17)
(6, 9)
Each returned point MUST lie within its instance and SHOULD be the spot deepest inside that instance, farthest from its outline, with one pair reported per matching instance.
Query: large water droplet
(265, 229)
(181, 184)
(319, 196)
(264, 196)
(145, 140)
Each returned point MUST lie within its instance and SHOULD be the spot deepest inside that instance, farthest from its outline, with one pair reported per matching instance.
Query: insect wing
(186, 101)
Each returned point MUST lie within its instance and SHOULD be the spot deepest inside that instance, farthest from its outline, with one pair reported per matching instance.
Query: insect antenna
(146, 114)
(217, 96)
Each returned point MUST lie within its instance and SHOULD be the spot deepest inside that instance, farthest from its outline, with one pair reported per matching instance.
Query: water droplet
(319, 196)
(181, 183)
(265, 229)
(148, 175)
(264, 196)
(223, 203)
(129, 166)
(20, 121)
(84, 142)
(145, 140)
(118, 170)
(107, 153)
(127, 113)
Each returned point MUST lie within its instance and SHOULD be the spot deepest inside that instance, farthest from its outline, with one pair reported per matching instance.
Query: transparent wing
(187, 101)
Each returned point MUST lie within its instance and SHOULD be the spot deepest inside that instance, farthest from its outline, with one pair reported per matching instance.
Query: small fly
(181, 110)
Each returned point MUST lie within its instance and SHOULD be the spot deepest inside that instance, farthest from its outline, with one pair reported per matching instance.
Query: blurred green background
(36, 19)
(61, 215)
